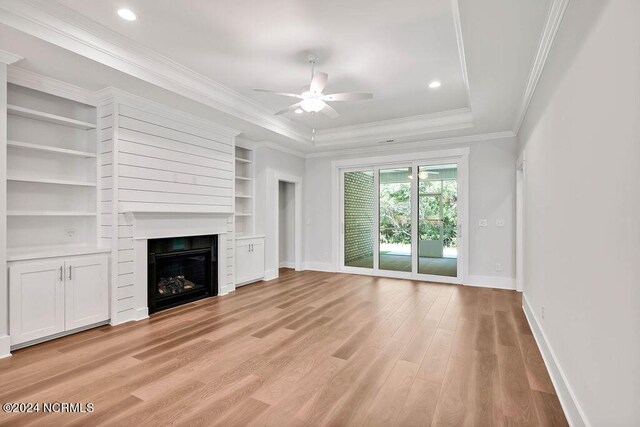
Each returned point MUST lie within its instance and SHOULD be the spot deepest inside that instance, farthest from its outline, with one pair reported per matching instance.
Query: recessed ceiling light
(298, 111)
(127, 14)
(435, 84)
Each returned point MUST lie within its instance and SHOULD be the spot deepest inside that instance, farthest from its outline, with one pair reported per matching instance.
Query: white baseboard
(287, 264)
(320, 266)
(573, 412)
(491, 282)
(271, 274)
(5, 346)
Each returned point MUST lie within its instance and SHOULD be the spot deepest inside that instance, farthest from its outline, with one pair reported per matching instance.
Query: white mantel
(163, 224)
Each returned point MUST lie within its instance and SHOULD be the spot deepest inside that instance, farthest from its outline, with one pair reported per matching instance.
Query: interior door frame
(297, 182)
(459, 156)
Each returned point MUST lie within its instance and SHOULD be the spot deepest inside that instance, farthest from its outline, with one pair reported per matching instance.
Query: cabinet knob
(61, 278)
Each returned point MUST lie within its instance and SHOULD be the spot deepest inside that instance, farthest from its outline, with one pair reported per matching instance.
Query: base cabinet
(49, 297)
(249, 260)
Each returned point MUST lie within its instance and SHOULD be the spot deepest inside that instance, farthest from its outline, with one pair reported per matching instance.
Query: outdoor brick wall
(358, 210)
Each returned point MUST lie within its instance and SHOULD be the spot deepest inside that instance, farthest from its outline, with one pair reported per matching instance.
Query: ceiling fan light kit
(312, 99)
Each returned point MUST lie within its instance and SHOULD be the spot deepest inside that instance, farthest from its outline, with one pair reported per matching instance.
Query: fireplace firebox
(181, 270)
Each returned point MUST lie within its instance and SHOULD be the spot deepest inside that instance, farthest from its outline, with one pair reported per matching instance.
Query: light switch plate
(499, 222)
(483, 223)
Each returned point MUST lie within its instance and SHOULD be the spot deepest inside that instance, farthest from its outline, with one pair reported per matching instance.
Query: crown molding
(457, 23)
(111, 94)
(395, 128)
(551, 28)
(403, 146)
(32, 80)
(278, 147)
(8, 57)
(56, 24)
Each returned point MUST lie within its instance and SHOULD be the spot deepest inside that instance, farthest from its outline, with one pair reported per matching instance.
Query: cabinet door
(243, 263)
(36, 297)
(86, 290)
(257, 260)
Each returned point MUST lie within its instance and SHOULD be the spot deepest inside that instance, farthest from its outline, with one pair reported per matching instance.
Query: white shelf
(243, 214)
(50, 213)
(35, 252)
(243, 178)
(48, 149)
(48, 117)
(241, 160)
(51, 181)
(243, 196)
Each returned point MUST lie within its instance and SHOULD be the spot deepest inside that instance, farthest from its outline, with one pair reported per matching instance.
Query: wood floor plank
(306, 349)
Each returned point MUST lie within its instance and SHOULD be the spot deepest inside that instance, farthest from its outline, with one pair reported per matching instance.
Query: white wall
(492, 196)
(286, 220)
(269, 163)
(582, 246)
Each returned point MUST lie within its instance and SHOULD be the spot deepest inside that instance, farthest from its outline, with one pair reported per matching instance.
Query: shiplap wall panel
(163, 164)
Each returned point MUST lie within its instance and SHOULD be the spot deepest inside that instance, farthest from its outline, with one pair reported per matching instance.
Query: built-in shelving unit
(244, 191)
(47, 117)
(52, 185)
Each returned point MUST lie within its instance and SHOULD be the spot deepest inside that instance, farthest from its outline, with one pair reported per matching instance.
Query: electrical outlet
(498, 267)
(542, 312)
(499, 222)
(483, 223)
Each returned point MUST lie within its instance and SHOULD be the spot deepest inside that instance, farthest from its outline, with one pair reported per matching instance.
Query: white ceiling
(364, 45)
(391, 49)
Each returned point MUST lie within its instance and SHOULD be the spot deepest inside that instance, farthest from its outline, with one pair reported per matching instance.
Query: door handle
(69, 272)
(61, 278)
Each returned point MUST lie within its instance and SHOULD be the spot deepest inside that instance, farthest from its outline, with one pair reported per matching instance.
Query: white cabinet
(36, 298)
(249, 260)
(86, 291)
(51, 296)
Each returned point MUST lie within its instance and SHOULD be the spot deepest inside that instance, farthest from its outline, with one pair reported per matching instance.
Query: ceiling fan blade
(318, 82)
(329, 111)
(348, 96)
(291, 95)
(289, 109)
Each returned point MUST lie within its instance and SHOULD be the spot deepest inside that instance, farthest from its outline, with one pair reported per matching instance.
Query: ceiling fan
(312, 99)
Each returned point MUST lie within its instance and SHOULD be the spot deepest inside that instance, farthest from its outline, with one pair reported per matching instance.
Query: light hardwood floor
(309, 348)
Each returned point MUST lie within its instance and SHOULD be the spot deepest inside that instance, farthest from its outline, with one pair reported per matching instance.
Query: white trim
(394, 147)
(320, 266)
(520, 222)
(63, 27)
(395, 128)
(278, 147)
(297, 181)
(400, 158)
(9, 58)
(463, 61)
(29, 79)
(5, 346)
(572, 409)
(490, 282)
(551, 27)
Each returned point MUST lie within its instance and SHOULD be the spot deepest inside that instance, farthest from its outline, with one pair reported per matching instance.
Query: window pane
(438, 220)
(395, 219)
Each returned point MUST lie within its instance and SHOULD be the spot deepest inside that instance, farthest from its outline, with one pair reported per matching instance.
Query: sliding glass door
(394, 219)
(403, 220)
(438, 220)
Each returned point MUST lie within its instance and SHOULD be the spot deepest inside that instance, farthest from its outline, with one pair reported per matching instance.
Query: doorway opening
(286, 224)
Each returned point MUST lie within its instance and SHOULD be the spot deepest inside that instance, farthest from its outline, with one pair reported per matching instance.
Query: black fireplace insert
(181, 270)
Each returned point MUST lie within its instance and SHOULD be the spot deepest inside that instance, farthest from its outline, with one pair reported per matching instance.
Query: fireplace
(181, 270)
